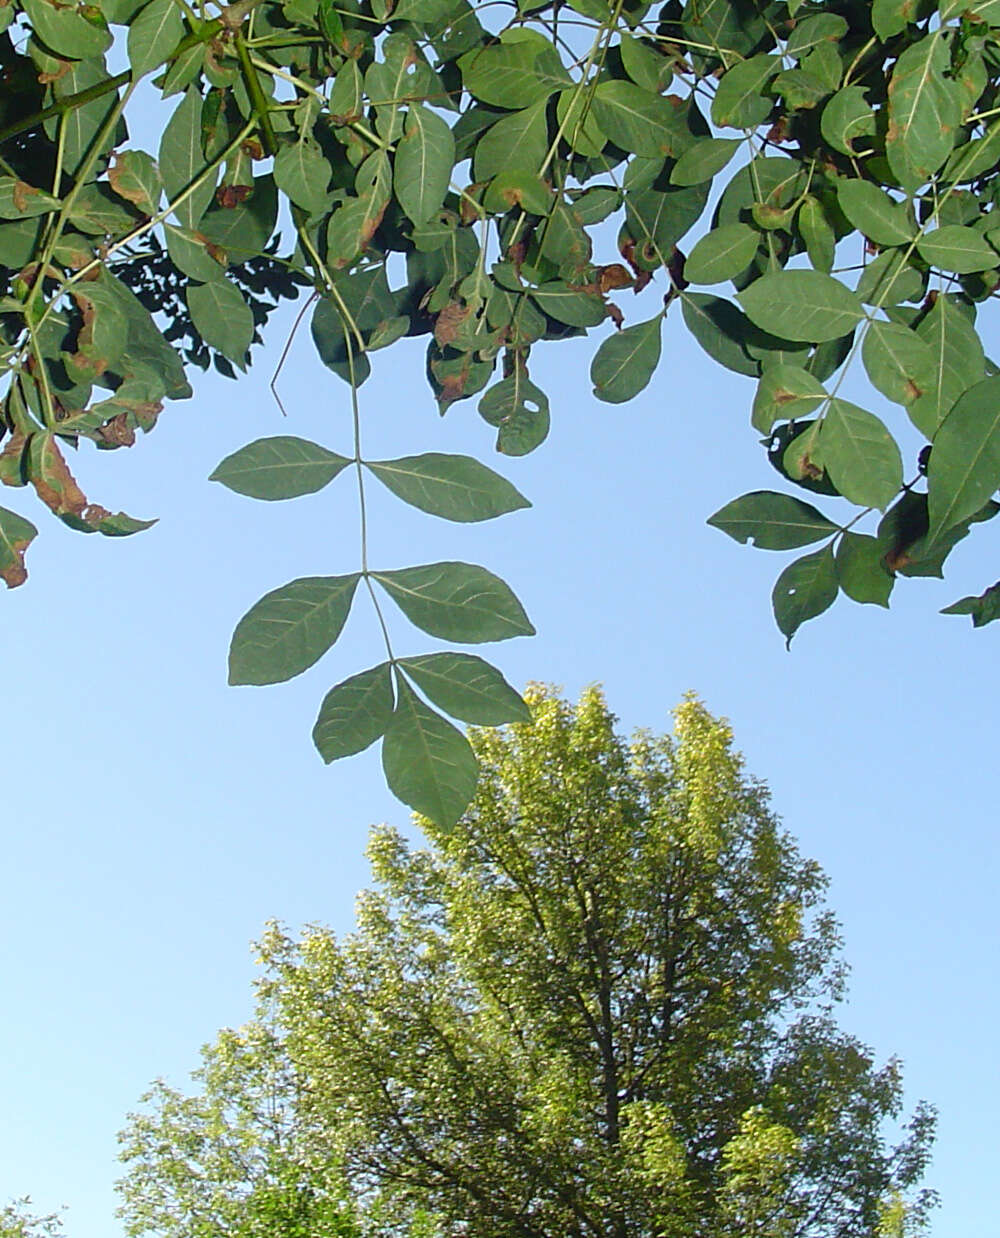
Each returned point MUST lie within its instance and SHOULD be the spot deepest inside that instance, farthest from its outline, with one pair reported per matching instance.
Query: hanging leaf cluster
(809, 188)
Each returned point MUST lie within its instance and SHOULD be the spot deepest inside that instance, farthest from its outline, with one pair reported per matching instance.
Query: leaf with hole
(805, 589)
(290, 629)
(772, 521)
(456, 601)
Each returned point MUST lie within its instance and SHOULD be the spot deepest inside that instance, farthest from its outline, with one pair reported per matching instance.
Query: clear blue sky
(155, 818)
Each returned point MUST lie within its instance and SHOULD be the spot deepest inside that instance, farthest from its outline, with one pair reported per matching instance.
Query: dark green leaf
(954, 248)
(153, 34)
(959, 363)
(899, 362)
(802, 305)
(739, 100)
(454, 487)
(847, 117)
(785, 392)
(804, 590)
(425, 157)
(181, 160)
(282, 467)
(721, 328)
(983, 609)
(772, 521)
(223, 318)
(721, 254)
(874, 213)
(703, 159)
(925, 109)
(860, 455)
(456, 601)
(467, 688)
(354, 714)
(861, 571)
(519, 410)
(964, 469)
(303, 173)
(626, 361)
(19, 200)
(290, 628)
(640, 121)
(428, 763)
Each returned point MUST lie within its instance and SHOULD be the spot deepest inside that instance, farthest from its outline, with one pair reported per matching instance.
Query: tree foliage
(488, 176)
(600, 1007)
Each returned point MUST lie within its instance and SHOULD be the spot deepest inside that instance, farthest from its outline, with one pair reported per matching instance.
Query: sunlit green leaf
(626, 361)
(454, 487)
(354, 714)
(290, 628)
(428, 763)
(466, 687)
(801, 305)
(456, 601)
(772, 521)
(282, 467)
(804, 590)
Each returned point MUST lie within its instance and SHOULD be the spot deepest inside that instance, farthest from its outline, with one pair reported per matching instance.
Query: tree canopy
(600, 1007)
(489, 176)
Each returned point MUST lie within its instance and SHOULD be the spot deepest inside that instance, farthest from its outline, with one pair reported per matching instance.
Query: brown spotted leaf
(16, 535)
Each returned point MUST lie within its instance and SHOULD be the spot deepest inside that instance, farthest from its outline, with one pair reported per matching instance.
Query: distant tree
(17, 1221)
(600, 1006)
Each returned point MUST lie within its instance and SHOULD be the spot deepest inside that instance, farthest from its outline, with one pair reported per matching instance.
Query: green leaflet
(845, 118)
(924, 111)
(785, 393)
(860, 455)
(804, 590)
(511, 75)
(16, 535)
(983, 609)
(721, 254)
(134, 176)
(454, 487)
(153, 34)
(290, 628)
(466, 687)
(964, 468)
(626, 361)
(861, 572)
(223, 318)
(283, 467)
(703, 159)
(456, 601)
(181, 160)
(67, 31)
(302, 172)
(354, 714)
(428, 763)
(958, 363)
(519, 410)
(521, 138)
(874, 213)
(802, 305)
(899, 362)
(425, 156)
(740, 102)
(640, 121)
(772, 521)
(721, 328)
(954, 248)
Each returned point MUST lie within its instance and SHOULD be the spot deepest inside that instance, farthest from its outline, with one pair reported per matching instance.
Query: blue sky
(155, 818)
